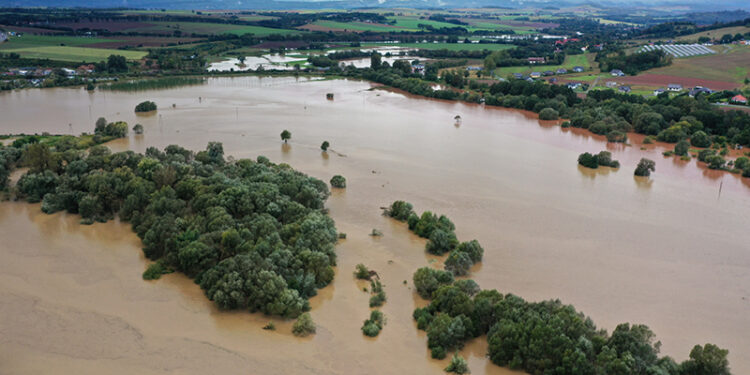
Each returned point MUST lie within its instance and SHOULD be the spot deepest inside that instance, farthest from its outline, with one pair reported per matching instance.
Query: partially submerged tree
(286, 135)
(324, 146)
(645, 167)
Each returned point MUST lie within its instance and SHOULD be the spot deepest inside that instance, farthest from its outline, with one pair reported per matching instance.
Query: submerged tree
(324, 146)
(458, 365)
(286, 135)
(304, 325)
(645, 167)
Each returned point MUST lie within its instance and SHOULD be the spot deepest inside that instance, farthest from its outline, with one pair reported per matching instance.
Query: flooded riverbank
(667, 252)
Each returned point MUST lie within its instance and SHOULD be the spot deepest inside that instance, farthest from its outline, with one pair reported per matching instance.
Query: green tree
(441, 242)
(548, 114)
(706, 360)
(117, 64)
(427, 280)
(138, 129)
(681, 148)
(146, 106)
(645, 167)
(458, 365)
(286, 135)
(324, 146)
(338, 181)
(304, 325)
(375, 61)
(700, 139)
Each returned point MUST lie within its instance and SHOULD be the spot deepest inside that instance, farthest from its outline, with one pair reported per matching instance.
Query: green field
(75, 54)
(570, 62)
(31, 41)
(356, 26)
(448, 46)
(188, 28)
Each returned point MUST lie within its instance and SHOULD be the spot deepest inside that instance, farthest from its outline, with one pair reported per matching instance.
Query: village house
(625, 89)
(418, 68)
(548, 73)
(674, 87)
(535, 75)
(659, 91)
(562, 71)
(573, 85)
(611, 84)
(739, 99)
(578, 69)
(536, 60)
(617, 73)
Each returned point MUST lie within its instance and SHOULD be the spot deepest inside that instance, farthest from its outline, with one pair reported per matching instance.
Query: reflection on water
(663, 251)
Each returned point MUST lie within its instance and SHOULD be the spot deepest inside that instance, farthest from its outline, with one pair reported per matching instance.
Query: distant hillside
(679, 5)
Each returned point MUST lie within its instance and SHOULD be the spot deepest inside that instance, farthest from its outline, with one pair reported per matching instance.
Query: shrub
(138, 129)
(704, 154)
(427, 280)
(270, 326)
(324, 146)
(458, 365)
(588, 160)
(458, 263)
(645, 167)
(681, 148)
(400, 210)
(378, 299)
(154, 271)
(362, 272)
(372, 326)
(715, 162)
(605, 158)
(617, 136)
(648, 140)
(146, 106)
(700, 139)
(548, 114)
(338, 181)
(304, 325)
(441, 242)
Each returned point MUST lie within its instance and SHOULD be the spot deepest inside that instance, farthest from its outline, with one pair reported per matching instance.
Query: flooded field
(669, 252)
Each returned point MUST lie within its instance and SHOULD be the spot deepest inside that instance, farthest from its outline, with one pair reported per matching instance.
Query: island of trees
(251, 233)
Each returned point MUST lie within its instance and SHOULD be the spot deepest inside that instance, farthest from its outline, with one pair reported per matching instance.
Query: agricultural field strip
(680, 50)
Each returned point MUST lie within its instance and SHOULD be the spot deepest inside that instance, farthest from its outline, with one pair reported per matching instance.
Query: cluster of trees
(117, 129)
(440, 232)
(521, 53)
(549, 337)
(374, 324)
(603, 158)
(252, 234)
(146, 106)
(645, 167)
(633, 63)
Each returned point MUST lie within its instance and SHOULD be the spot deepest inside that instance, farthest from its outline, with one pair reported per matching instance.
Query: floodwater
(670, 251)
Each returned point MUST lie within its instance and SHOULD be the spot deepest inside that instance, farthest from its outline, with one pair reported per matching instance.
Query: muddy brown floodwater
(669, 251)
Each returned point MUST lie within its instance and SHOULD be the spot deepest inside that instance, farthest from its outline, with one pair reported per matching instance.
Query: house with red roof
(738, 99)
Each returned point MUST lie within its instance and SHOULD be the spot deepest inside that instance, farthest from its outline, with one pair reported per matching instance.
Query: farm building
(680, 50)
(474, 68)
(674, 87)
(659, 91)
(535, 74)
(578, 69)
(536, 60)
(562, 71)
(625, 89)
(739, 99)
(617, 73)
(548, 73)
(574, 85)
(611, 84)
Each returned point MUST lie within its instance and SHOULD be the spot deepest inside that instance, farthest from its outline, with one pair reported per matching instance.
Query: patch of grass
(188, 28)
(76, 54)
(30, 41)
(356, 26)
(570, 62)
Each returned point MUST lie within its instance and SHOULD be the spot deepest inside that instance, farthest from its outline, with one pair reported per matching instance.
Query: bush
(588, 160)
(324, 146)
(648, 140)
(441, 242)
(146, 106)
(338, 181)
(458, 365)
(154, 271)
(400, 210)
(548, 114)
(378, 299)
(138, 129)
(715, 162)
(304, 325)
(681, 148)
(362, 272)
(617, 136)
(700, 139)
(645, 167)
(372, 326)
(270, 326)
(427, 280)
(703, 155)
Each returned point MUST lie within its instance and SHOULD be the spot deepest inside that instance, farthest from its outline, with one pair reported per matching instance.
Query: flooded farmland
(670, 251)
